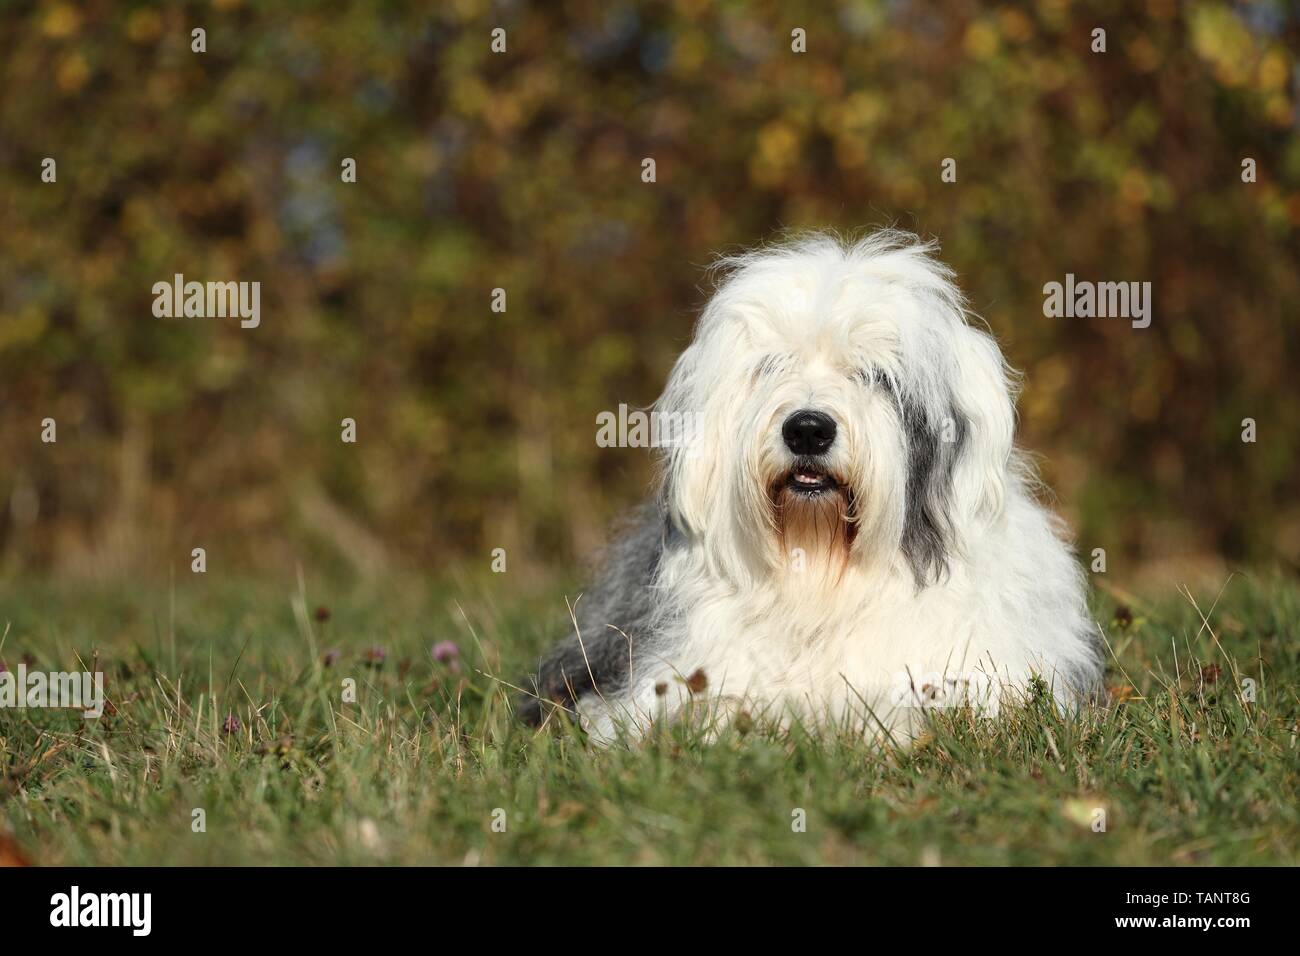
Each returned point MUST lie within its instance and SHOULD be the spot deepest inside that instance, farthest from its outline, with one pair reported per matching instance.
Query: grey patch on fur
(614, 618)
(927, 529)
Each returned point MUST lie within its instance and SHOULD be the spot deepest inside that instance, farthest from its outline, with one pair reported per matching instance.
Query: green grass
(411, 773)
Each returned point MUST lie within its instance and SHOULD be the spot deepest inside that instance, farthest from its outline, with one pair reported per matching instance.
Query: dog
(848, 535)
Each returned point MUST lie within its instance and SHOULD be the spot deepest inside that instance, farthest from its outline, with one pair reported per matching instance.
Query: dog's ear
(958, 453)
(701, 484)
(689, 469)
(984, 397)
(933, 447)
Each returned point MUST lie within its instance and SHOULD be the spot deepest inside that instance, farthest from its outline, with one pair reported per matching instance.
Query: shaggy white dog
(847, 533)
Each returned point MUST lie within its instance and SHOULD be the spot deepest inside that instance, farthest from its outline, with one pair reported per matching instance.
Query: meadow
(230, 700)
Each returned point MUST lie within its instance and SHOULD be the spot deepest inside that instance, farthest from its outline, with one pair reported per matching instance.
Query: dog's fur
(926, 573)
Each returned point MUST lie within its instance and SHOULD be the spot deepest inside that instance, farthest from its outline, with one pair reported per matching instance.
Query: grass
(412, 772)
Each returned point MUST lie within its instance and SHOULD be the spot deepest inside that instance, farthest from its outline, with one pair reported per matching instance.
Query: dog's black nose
(808, 433)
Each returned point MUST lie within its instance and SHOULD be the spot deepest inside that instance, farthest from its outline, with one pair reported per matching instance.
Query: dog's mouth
(814, 510)
(810, 480)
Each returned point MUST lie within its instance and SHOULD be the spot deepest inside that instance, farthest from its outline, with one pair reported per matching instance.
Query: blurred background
(522, 171)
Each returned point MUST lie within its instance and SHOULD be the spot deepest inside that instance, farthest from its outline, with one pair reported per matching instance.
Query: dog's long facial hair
(815, 525)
